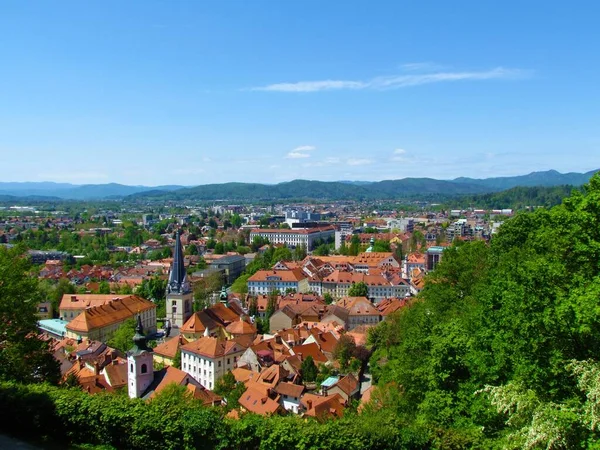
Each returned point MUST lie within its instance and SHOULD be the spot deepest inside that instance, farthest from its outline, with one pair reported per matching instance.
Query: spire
(372, 244)
(178, 282)
(139, 339)
(223, 297)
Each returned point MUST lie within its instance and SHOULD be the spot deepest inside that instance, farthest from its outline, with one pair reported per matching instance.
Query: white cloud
(421, 66)
(300, 152)
(358, 162)
(311, 86)
(305, 148)
(296, 155)
(395, 81)
(399, 155)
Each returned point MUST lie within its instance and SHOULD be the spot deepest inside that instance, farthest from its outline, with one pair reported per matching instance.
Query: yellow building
(100, 322)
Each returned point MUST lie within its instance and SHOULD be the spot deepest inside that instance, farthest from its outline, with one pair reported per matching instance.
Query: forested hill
(516, 198)
(423, 188)
(309, 189)
(387, 189)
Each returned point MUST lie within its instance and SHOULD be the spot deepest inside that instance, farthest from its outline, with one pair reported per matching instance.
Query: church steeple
(139, 339)
(178, 282)
(140, 373)
(372, 244)
(223, 297)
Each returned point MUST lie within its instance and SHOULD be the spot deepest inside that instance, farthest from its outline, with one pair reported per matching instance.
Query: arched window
(144, 368)
(131, 368)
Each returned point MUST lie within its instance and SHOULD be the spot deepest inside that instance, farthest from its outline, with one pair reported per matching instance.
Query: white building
(295, 237)
(208, 359)
(140, 370)
(267, 281)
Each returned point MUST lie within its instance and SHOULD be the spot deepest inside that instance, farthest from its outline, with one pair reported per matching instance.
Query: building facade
(293, 238)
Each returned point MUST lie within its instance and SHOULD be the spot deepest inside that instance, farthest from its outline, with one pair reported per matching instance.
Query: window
(131, 368)
(144, 368)
(219, 363)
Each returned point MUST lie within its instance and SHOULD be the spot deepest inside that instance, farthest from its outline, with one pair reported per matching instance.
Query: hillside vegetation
(500, 350)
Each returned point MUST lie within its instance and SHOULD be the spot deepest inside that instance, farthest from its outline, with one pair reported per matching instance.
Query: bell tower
(140, 371)
(179, 292)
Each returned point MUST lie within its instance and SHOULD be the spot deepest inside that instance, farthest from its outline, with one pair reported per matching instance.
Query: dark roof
(178, 282)
(228, 259)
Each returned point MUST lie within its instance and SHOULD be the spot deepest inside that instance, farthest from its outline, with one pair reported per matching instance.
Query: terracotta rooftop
(258, 403)
(212, 347)
(169, 348)
(113, 312)
(289, 389)
(241, 327)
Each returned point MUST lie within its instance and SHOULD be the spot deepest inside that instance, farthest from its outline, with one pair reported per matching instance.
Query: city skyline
(196, 93)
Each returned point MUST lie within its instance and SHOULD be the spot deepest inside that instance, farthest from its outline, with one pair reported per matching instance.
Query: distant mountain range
(75, 192)
(297, 189)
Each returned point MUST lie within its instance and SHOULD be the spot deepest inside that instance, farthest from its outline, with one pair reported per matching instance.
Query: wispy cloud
(358, 161)
(305, 148)
(395, 81)
(398, 155)
(421, 66)
(301, 152)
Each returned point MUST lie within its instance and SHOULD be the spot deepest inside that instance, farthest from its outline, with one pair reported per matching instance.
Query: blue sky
(196, 92)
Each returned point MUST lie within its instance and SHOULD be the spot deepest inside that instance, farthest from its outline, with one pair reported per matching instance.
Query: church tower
(140, 371)
(372, 244)
(179, 291)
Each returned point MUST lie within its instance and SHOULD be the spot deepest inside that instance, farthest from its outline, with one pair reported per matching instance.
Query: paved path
(9, 443)
(365, 382)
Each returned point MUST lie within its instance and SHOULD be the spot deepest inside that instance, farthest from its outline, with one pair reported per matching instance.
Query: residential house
(208, 359)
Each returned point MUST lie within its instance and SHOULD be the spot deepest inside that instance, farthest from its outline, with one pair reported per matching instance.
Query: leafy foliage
(359, 289)
(23, 355)
(505, 321)
(123, 337)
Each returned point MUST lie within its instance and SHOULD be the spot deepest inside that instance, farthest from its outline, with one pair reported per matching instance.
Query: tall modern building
(179, 291)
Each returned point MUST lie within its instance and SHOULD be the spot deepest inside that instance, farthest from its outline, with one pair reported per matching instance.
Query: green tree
(354, 248)
(24, 357)
(299, 252)
(322, 250)
(308, 369)
(219, 248)
(104, 287)
(328, 298)
(191, 250)
(230, 389)
(240, 285)
(271, 303)
(343, 351)
(281, 254)
(236, 221)
(122, 339)
(359, 289)
(177, 359)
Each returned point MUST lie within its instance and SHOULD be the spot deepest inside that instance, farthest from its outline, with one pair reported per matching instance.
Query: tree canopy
(503, 326)
(24, 356)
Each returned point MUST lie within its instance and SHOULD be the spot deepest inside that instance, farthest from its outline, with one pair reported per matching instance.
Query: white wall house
(208, 359)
